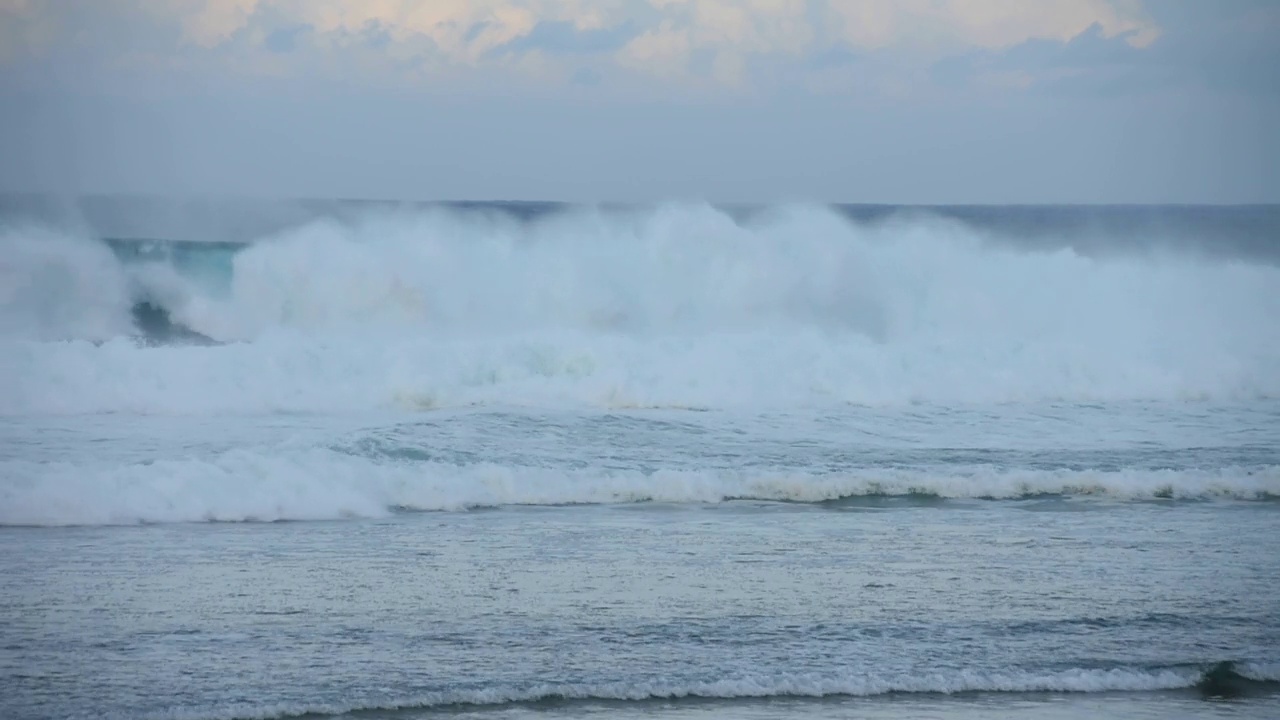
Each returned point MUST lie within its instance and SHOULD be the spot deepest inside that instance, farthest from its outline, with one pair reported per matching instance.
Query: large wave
(316, 483)
(678, 305)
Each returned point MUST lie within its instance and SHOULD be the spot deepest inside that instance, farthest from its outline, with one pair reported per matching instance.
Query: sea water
(671, 461)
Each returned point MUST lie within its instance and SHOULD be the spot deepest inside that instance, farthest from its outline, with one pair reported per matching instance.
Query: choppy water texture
(677, 461)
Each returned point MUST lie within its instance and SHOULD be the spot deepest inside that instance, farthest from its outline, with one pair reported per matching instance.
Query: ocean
(512, 460)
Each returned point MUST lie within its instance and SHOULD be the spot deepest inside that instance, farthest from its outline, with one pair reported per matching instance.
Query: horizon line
(228, 197)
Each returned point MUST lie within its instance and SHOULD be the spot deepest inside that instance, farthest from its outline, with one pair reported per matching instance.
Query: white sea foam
(673, 306)
(57, 287)
(796, 685)
(1260, 671)
(316, 483)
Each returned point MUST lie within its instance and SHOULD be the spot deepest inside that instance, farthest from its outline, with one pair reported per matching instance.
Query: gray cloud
(638, 102)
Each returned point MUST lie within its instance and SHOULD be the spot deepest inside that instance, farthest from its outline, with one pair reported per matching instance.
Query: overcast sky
(904, 101)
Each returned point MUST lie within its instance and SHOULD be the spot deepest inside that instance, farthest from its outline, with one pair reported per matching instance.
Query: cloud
(986, 24)
(727, 31)
(729, 43)
(24, 29)
(663, 50)
(461, 31)
(853, 100)
(216, 22)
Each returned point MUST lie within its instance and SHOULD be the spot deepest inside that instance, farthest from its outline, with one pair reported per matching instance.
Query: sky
(863, 101)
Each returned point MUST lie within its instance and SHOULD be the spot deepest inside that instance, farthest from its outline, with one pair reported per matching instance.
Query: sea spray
(675, 306)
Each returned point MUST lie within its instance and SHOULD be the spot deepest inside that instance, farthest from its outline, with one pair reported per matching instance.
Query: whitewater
(678, 306)
(501, 460)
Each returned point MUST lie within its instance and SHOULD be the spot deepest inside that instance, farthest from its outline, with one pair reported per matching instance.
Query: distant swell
(675, 306)
(785, 685)
(319, 484)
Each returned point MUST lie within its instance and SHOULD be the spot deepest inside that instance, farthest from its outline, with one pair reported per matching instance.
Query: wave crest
(673, 306)
(780, 686)
(318, 484)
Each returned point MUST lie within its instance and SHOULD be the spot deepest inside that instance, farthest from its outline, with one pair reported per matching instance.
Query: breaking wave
(1220, 679)
(676, 306)
(320, 484)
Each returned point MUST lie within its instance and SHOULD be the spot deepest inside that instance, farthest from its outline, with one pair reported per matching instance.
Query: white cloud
(461, 30)
(730, 30)
(720, 40)
(216, 22)
(989, 24)
(662, 51)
